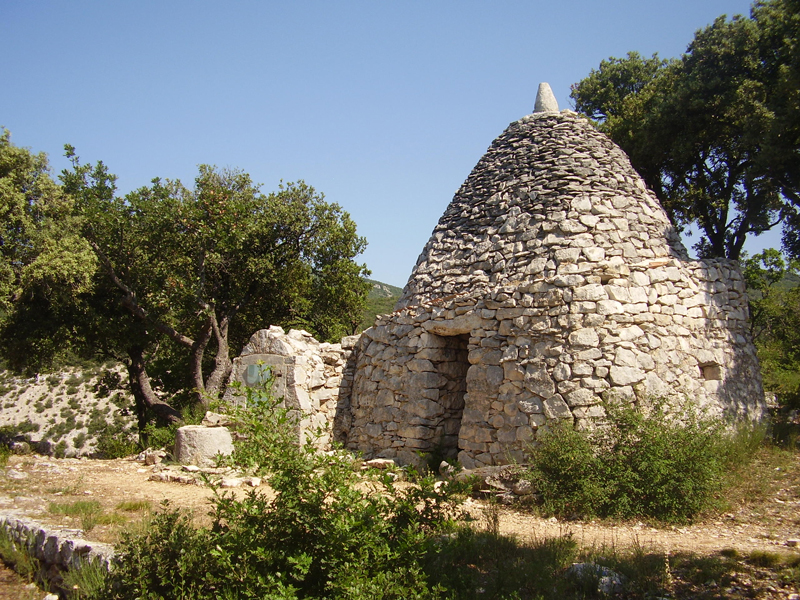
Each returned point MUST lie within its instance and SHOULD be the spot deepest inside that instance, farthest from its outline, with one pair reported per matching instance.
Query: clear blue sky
(384, 106)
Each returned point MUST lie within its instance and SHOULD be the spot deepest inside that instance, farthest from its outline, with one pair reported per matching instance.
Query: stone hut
(553, 282)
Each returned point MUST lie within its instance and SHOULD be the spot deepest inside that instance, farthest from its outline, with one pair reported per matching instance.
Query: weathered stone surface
(199, 445)
(545, 100)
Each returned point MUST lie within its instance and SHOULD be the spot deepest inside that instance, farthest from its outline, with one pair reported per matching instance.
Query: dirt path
(31, 483)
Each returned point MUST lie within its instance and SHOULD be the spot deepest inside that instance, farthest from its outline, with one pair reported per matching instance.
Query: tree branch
(129, 302)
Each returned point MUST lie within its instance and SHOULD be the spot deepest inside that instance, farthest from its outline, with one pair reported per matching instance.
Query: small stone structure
(552, 283)
(311, 377)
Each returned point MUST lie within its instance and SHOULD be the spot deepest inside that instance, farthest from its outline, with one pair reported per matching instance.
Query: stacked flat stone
(310, 376)
(552, 283)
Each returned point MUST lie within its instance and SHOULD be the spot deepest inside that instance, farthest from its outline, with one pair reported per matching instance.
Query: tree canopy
(169, 278)
(716, 133)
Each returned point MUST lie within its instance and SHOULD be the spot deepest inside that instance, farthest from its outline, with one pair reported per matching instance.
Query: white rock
(198, 445)
(545, 100)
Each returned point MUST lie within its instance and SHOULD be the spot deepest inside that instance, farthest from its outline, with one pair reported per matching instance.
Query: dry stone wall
(553, 281)
(312, 378)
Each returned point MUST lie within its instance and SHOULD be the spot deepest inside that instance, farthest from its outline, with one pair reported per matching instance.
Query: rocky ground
(64, 413)
(762, 518)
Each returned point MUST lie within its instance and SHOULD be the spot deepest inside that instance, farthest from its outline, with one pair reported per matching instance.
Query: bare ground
(763, 515)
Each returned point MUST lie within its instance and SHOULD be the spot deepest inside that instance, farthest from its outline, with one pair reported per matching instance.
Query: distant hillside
(383, 290)
(380, 300)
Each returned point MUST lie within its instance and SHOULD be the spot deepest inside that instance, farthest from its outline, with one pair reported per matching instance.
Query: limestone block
(485, 379)
(626, 334)
(562, 371)
(594, 254)
(623, 376)
(545, 100)
(424, 408)
(538, 380)
(625, 358)
(589, 412)
(590, 292)
(556, 408)
(584, 337)
(582, 397)
(609, 307)
(530, 406)
(198, 445)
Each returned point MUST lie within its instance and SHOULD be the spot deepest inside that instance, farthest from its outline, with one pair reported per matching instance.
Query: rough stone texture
(199, 445)
(545, 99)
(63, 548)
(553, 281)
(313, 378)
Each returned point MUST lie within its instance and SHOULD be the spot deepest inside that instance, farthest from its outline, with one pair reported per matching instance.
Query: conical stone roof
(550, 189)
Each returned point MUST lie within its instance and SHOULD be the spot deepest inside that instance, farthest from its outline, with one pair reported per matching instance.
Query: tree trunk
(146, 398)
(222, 360)
(196, 362)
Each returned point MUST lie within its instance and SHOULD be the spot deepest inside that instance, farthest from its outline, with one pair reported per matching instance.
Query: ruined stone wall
(307, 374)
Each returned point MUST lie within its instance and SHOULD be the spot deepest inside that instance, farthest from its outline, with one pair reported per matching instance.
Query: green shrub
(85, 580)
(116, 441)
(107, 383)
(79, 440)
(154, 436)
(60, 451)
(643, 464)
(324, 534)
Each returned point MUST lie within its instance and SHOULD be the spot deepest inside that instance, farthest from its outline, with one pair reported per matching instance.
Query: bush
(324, 534)
(116, 441)
(643, 464)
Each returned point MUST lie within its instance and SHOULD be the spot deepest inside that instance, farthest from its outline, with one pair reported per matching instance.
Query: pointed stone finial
(545, 100)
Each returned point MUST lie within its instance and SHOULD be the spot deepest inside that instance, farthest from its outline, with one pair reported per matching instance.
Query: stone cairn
(552, 283)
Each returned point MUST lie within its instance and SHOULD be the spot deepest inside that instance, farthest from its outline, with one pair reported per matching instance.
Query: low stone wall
(58, 549)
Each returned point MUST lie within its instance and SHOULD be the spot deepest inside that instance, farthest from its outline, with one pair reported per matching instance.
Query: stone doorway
(453, 368)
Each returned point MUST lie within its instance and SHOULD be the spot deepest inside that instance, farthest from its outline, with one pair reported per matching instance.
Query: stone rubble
(312, 377)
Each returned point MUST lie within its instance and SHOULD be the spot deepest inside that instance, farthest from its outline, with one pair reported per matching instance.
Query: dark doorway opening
(453, 367)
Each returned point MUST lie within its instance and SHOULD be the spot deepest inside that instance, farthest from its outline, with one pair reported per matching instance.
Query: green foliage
(89, 512)
(116, 441)
(326, 533)
(775, 323)
(107, 383)
(167, 278)
(17, 557)
(643, 464)
(714, 133)
(135, 506)
(85, 580)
